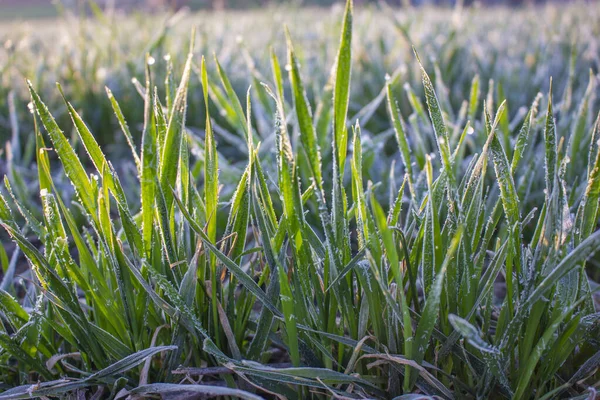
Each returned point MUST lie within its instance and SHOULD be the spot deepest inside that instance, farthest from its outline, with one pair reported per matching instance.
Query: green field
(301, 203)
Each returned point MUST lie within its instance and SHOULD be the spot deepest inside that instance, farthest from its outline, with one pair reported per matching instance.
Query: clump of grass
(306, 278)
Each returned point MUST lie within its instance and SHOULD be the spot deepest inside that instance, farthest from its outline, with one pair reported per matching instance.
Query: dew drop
(387, 77)
(288, 67)
(470, 130)
(167, 57)
(101, 74)
(30, 107)
(151, 60)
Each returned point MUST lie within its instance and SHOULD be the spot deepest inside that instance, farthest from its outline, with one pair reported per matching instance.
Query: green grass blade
(304, 115)
(342, 86)
(73, 167)
(170, 153)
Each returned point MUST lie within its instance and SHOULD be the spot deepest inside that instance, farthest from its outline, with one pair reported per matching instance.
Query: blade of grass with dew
(211, 192)
(342, 86)
(550, 141)
(439, 126)
(73, 167)
(170, 153)
(234, 102)
(400, 131)
(304, 116)
(124, 127)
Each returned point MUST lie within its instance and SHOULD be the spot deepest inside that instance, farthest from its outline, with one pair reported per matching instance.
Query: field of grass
(302, 203)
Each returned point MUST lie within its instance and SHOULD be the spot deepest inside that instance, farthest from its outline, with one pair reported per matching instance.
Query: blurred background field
(103, 46)
(45, 8)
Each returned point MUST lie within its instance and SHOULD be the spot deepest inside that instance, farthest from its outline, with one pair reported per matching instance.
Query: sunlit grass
(296, 242)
